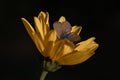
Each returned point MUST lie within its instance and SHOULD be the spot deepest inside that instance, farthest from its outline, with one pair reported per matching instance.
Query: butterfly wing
(66, 26)
(62, 28)
(73, 37)
(58, 28)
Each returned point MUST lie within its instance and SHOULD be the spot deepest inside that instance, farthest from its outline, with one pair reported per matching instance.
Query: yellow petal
(77, 57)
(44, 18)
(51, 36)
(84, 44)
(62, 19)
(62, 47)
(42, 14)
(49, 40)
(40, 45)
(47, 18)
(48, 48)
(68, 47)
(76, 29)
(38, 42)
(47, 22)
(29, 28)
(57, 48)
(39, 28)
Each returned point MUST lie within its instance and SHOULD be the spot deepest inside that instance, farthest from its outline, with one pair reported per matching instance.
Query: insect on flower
(63, 30)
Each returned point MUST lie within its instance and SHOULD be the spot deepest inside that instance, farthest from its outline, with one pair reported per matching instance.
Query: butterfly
(63, 30)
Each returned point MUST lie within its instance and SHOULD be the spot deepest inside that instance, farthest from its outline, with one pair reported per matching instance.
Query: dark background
(98, 18)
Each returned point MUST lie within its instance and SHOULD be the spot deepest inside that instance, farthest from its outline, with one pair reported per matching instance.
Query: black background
(98, 18)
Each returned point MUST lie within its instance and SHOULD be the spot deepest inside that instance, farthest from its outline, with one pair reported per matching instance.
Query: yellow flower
(62, 51)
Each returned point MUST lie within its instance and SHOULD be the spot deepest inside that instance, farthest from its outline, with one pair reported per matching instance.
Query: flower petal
(49, 40)
(42, 14)
(38, 42)
(40, 45)
(76, 29)
(85, 44)
(51, 36)
(58, 47)
(77, 57)
(64, 47)
(44, 18)
(48, 48)
(39, 28)
(29, 28)
(68, 47)
(62, 19)
(47, 22)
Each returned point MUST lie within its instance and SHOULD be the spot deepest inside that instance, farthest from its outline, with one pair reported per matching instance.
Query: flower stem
(43, 75)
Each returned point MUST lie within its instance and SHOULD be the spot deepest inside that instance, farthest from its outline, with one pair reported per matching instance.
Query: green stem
(43, 75)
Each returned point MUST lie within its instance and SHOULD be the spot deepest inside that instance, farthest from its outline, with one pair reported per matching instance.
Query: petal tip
(92, 38)
(23, 19)
(62, 19)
